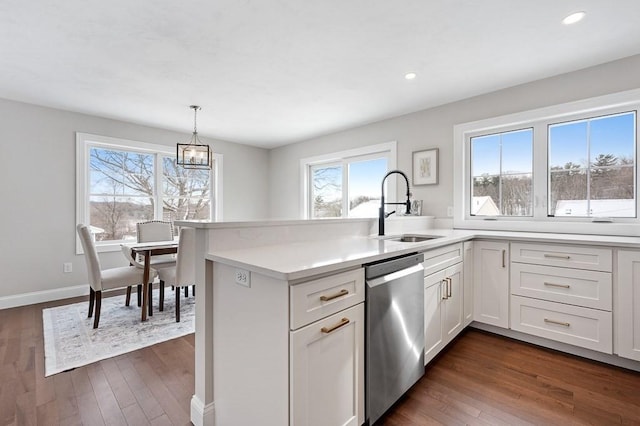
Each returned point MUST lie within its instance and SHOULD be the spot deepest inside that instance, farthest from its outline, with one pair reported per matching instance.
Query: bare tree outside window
(122, 192)
(326, 188)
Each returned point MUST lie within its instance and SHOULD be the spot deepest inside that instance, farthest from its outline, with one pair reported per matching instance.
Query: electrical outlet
(67, 267)
(243, 277)
(449, 211)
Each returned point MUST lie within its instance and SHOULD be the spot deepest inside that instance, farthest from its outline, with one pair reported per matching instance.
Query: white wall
(37, 213)
(433, 128)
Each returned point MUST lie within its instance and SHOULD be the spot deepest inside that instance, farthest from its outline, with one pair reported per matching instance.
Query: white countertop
(295, 261)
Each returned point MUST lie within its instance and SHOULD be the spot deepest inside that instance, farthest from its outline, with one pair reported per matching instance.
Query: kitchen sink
(415, 238)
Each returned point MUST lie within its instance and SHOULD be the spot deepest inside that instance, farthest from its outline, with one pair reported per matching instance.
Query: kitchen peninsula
(253, 313)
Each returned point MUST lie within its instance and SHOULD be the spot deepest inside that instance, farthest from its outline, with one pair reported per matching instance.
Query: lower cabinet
(491, 282)
(627, 311)
(327, 370)
(443, 308)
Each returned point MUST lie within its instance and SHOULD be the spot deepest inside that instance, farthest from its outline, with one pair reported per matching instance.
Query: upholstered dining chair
(157, 230)
(106, 279)
(183, 274)
(152, 231)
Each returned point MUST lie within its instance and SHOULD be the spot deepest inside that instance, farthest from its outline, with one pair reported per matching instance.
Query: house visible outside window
(591, 167)
(121, 183)
(565, 168)
(347, 183)
(501, 174)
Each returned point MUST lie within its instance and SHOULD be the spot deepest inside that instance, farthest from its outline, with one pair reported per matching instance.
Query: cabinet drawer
(595, 259)
(584, 327)
(313, 300)
(440, 258)
(591, 289)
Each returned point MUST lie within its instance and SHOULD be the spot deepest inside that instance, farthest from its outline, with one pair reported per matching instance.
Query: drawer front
(595, 259)
(584, 327)
(591, 289)
(440, 258)
(313, 300)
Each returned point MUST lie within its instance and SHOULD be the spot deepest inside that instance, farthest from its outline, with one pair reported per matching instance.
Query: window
(591, 167)
(121, 183)
(501, 174)
(565, 168)
(346, 184)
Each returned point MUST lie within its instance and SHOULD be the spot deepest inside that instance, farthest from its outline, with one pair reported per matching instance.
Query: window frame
(344, 158)
(85, 141)
(540, 120)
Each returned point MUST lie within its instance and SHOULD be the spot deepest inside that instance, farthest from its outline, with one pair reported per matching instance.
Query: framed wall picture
(425, 167)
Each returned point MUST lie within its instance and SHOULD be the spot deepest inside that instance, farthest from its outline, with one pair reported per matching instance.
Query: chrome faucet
(384, 215)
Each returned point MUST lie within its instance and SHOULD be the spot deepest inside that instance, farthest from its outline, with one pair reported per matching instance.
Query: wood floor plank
(147, 401)
(118, 384)
(107, 402)
(87, 402)
(134, 415)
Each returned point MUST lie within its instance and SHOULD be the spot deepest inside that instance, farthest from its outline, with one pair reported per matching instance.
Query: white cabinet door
(434, 290)
(442, 309)
(491, 282)
(627, 310)
(327, 370)
(467, 279)
(452, 303)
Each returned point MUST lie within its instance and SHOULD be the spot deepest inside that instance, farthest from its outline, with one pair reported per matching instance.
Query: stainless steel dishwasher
(394, 331)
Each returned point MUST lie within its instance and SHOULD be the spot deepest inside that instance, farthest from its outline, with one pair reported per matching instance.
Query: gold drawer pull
(557, 256)
(557, 285)
(564, 324)
(341, 293)
(343, 322)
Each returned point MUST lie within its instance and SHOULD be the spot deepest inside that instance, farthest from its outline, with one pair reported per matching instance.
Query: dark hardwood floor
(485, 379)
(481, 379)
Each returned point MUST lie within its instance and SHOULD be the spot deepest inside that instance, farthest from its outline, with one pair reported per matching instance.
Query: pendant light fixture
(195, 154)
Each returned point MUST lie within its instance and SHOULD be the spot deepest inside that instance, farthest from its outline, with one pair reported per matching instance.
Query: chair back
(154, 230)
(90, 257)
(186, 262)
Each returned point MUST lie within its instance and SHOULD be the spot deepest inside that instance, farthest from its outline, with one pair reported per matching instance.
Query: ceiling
(273, 72)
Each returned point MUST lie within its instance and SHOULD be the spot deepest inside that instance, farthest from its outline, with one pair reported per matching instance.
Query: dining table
(147, 250)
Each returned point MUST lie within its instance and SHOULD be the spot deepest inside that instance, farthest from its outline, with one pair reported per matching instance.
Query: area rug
(70, 340)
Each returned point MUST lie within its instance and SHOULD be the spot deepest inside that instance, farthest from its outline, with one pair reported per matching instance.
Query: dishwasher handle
(395, 275)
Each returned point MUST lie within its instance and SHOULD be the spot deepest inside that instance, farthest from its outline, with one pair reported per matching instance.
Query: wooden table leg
(145, 284)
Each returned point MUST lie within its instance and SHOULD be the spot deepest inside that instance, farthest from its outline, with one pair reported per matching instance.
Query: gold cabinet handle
(445, 292)
(557, 256)
(449, 280)
(343, 322)
(564, 324)
(341, 293)
(557, 285)
(504, 255)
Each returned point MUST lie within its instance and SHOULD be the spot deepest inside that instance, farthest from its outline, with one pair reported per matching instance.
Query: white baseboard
(201, 414)
(43, 296)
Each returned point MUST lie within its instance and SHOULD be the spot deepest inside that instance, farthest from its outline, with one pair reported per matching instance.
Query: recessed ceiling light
(573, 18)
(410, 75)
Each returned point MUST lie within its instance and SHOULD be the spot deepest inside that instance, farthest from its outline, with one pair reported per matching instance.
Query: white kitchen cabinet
(627, 311)
(274, 363)
(467, 281)
(443, 307)
(563, 293)
(327, 367)
(491, 283)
